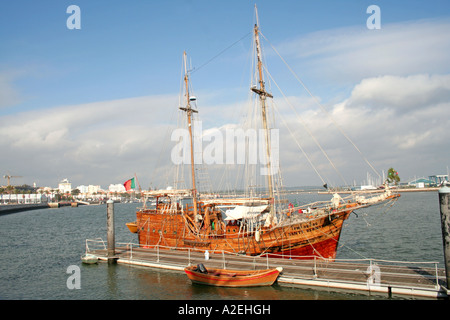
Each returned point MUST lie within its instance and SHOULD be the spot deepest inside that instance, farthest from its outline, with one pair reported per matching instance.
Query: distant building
(439, 179)
(46, 190)
(94, 189)
(83, 189)
(116, 188)
(65, 186)
(421, 183)
(23, 198)
(432, 181)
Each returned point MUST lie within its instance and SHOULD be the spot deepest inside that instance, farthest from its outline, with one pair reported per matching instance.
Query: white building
(65, 186)
(89, 190)
(116, 188)
(83, 189)
(94, 189)
(23, 198)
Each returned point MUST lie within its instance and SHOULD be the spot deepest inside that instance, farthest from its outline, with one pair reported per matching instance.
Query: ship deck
(374, 277)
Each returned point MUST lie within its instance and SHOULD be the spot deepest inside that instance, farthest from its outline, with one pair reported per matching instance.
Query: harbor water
(37, 249)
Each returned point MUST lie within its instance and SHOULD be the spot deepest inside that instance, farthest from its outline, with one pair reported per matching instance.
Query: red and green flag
(129, 184)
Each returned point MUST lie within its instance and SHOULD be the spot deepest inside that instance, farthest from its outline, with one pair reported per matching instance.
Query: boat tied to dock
(232, 278)
(252, 225)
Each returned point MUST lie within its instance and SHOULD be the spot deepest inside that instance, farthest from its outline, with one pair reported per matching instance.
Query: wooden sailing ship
(253, 225)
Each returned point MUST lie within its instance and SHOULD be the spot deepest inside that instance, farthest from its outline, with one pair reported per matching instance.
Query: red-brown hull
(326, 248)
(302, 240)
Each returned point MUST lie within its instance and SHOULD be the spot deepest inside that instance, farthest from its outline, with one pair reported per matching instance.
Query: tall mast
(261, 91)
(189, 112)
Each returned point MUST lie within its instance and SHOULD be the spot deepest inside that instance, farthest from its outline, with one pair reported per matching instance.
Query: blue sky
(66, 95)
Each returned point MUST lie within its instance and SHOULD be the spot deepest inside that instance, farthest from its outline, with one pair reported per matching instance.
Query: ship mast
(262, 97)
(189, 112)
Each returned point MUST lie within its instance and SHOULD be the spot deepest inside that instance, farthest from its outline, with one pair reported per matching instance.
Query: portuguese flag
(129, 184)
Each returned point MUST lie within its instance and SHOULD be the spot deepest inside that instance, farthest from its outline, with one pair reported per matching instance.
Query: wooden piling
(110, 232)
(444, 203)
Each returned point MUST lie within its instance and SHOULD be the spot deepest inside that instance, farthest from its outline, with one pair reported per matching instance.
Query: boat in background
(132, 226)
(232, 278)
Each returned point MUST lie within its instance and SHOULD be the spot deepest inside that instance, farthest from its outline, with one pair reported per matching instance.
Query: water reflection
(154, 284)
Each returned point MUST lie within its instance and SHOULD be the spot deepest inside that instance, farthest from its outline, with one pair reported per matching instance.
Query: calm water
(37, 247)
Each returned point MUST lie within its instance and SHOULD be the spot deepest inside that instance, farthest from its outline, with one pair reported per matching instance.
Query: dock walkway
(368, 275)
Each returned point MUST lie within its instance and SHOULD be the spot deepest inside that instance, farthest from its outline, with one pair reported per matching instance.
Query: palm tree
(393, 176)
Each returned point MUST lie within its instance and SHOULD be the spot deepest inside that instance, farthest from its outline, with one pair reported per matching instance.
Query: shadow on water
(141, 283)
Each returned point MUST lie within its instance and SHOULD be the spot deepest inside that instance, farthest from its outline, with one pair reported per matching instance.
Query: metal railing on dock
(371, 275)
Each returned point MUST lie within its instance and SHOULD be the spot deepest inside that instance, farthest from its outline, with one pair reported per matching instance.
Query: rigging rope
(322, 107)
(301, 148)
(221, 52)
(309, 132)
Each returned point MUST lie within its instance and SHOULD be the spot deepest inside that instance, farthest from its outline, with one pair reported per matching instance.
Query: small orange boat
(132, 226)
(232, 278)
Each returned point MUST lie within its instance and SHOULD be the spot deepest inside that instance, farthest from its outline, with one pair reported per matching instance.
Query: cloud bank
(354, 53)
(95, 143)
(392, 100)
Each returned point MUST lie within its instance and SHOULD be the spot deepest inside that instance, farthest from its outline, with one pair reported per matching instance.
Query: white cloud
(117, 137)
(9, 95)
(397, 112)
(395, 121)
(392, 119)
(388, 89)
(353, 53)
(402, 94)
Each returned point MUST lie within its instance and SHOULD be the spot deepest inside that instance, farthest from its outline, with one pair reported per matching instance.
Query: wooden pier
(372, 276)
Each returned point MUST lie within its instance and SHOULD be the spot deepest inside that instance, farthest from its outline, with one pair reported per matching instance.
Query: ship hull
(324, 248)
(306, 239)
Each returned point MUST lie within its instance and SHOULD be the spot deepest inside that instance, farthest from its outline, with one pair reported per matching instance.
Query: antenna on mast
(256, 13)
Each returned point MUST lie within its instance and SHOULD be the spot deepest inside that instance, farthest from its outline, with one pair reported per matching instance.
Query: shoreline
(13, 208)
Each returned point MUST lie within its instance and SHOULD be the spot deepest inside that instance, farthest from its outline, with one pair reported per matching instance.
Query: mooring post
(444, 203)
(110, 231)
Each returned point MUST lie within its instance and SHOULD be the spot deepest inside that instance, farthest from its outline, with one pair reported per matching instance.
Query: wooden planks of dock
(371, 276)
